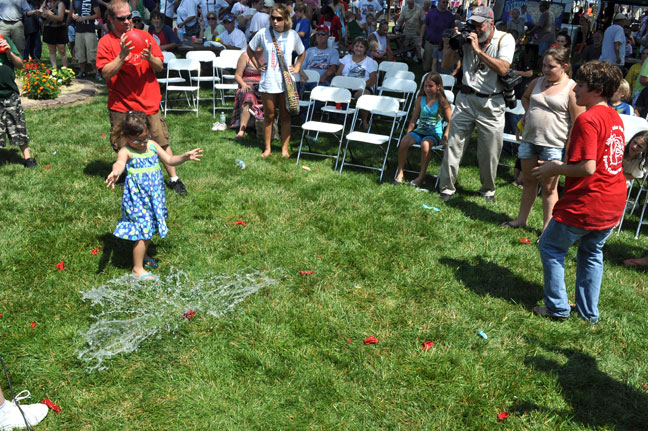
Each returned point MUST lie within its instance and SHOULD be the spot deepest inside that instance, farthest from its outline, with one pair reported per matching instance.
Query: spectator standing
(232, 38)
(188, 17)
(594, 197)
(131, 82)
(515, 23)
(261, 19)
(545, 28)
(635, 70)
(32, 24)
(11, 24)
(331, 20)
(55, 33)
(271, 86)
(302, 24)
(12, 115)
(487, 55)
(614, 41)
(436, 22)
(410, 21)
(168, 8)
(369, 7)
(84, 13)
(163, 35)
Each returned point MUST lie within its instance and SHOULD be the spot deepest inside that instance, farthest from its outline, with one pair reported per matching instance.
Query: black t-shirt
(642, 102)
(85, 8)
(521, 62)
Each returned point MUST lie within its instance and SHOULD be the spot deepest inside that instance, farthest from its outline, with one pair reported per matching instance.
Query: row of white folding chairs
(190, 82)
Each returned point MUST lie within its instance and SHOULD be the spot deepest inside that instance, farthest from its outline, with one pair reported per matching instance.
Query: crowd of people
(572, 100)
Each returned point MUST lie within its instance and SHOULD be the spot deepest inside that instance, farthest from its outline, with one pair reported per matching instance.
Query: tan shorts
(157, 128)
(85, 47)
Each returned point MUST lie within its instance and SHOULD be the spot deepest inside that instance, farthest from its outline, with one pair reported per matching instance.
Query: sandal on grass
(143, 276)
(398, 182)
(150, 263)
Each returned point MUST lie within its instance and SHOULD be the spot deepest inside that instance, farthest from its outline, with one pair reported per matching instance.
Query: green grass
(383, 266)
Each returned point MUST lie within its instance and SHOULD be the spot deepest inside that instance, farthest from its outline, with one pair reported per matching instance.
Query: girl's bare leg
(269, 107)
(403, 148)
(139, 251)
(284, 119)
(529, 192)
(245, 119)
(549, 189)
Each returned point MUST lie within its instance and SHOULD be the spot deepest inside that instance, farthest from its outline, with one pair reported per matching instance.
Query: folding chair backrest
(402, 74)
(331, 94)
(168, 56)
(397, 85)
(313, 76)
(633, 125)
(203, 56)
(392, 66)
(184, 64)
(347, 82)
(448, 81)
(378, 104)
(449, 95)
(230, 54)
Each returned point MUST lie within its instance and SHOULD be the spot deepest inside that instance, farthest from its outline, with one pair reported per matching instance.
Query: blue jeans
(554, 244)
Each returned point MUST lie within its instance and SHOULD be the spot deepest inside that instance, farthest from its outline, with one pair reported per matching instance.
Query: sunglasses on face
(124, 18)
(321, 34)
(211, 18)
(277, 18)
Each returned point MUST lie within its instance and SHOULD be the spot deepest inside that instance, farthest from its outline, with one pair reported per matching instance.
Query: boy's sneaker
(30, 163)
(179, 187)
(11, 418)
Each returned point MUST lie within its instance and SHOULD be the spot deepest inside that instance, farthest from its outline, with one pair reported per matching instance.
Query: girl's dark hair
(135, 123)
(561, 55)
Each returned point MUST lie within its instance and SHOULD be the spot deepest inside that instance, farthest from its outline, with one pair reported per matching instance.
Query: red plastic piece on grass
(0, 314)
(525, 240)
(95, 251)
(370, 340)
(51, 405)
(427, 345)
(502, 416)
(305, 272)
(47, 167)
(348, 339)
(61, 266)
(33, 325)
(189, 314)
(103, 136)
(239, 223)
(642, 385)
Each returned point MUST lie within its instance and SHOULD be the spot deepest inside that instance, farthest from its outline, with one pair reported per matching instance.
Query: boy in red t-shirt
(594, 198)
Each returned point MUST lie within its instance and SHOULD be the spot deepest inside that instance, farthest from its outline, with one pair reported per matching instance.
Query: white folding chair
(449, 81)
(206, 57)
(226, 61)
(168, 56)
(450, 96)
(388, 66)
(351, 84)
(324, 95)
(401, 74)
(191, 91)
(631, 126)
(312, 77)
(404, 88)
(376, 105)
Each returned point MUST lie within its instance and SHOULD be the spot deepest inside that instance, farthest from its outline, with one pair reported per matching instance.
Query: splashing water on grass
(133, 311)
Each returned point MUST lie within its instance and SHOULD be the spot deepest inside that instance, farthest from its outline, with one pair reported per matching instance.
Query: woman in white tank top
(550, 105)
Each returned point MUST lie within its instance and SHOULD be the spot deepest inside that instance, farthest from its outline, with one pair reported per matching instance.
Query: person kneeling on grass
(11, 417)
(144, 209)
(594, 198)
(425, 127)
(12, 115)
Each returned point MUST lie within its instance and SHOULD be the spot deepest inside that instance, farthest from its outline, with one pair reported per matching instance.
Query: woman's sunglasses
(277, 18)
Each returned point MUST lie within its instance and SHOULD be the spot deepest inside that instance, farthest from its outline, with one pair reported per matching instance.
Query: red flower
(61, 266)
(370, 340)
(427, 345)
(525, 240)
(502, 416)
(189, 314)
(33, 325)
(51, 405)
(305, 272)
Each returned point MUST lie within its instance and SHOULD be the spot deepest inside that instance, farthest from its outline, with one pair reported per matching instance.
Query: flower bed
(40, 82)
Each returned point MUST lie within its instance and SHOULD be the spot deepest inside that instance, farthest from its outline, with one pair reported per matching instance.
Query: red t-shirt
(135, 87)
(598, 201)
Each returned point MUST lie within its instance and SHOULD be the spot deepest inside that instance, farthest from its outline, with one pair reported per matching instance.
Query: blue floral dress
(144, 209)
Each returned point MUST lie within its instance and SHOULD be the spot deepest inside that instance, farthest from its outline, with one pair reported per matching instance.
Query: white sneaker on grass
(11, 418)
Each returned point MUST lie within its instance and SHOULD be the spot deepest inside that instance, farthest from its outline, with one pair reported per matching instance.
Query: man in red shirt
(594, 198)
(131, 81)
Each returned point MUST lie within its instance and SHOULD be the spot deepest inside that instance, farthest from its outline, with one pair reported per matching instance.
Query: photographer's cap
(481, 14)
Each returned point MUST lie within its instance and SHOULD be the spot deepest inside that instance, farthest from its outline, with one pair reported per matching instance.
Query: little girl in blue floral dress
(144, 209)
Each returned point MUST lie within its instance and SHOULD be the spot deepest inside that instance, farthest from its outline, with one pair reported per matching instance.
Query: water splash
(133, 311)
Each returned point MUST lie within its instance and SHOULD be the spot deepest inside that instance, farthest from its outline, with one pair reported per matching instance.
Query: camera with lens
(509, 81)
(461, 38)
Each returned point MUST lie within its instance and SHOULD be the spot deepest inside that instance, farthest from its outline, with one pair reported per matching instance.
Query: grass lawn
(292, 355)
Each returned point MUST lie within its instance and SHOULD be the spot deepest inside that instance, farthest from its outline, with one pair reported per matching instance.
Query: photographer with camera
(487, 55)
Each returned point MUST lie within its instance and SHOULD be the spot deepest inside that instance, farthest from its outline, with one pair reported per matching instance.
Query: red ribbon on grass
(427, 345)
(306, 272)
(51, 405)
(502, 416)
(370, 340)
(60, 266)
(189, 314)
(525, 240)
(33, 325)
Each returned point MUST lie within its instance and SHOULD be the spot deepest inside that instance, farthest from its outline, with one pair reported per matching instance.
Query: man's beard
(484, 36)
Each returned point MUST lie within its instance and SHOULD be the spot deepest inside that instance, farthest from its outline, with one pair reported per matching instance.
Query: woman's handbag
(292, 97)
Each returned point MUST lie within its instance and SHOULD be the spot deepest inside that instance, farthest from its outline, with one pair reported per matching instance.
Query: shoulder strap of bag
(280, 56)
